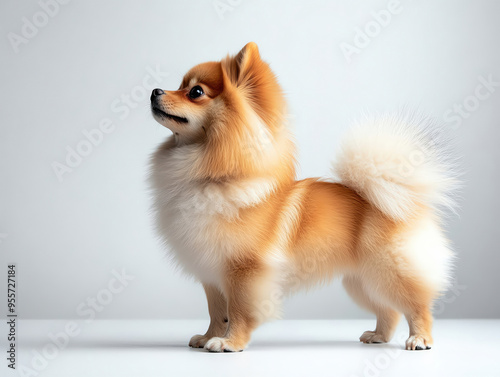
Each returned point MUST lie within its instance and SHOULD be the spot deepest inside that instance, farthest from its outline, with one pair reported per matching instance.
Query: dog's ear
(238, 69)
(256, 82)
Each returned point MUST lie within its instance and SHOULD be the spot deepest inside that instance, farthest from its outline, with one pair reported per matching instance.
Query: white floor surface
(281, 348)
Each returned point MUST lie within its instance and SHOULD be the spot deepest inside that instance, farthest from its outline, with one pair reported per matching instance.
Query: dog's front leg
(245, 290)
(217, 308)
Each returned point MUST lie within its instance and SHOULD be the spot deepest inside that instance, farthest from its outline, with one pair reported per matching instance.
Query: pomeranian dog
(228, 206)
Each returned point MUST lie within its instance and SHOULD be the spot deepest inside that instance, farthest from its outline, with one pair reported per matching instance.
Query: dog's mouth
(163, 114)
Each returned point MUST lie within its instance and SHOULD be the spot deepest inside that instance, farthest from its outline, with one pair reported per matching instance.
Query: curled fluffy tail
(399, 163)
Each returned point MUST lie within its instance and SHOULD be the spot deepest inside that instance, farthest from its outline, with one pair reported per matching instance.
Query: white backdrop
(83, 71)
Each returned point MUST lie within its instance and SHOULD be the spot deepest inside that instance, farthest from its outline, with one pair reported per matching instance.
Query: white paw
(417, 342)
(217, 344)
(372, 337)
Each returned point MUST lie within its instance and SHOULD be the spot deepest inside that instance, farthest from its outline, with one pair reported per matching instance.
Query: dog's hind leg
(387, 318)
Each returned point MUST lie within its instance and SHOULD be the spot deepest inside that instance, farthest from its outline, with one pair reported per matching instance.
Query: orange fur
(255, 233)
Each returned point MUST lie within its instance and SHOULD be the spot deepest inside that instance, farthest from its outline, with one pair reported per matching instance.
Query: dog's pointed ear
(238, 69)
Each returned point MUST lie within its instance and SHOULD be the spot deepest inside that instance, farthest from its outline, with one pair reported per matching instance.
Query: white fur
(428, 253)
(397, 163)
(422, 252)
(189, 212)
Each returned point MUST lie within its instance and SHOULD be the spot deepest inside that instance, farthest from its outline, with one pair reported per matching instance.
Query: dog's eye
(196, 91)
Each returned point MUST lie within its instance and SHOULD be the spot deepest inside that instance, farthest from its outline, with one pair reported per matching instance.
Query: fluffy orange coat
(228, 205)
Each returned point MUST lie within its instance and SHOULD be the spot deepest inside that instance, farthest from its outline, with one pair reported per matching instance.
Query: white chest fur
(191, 215)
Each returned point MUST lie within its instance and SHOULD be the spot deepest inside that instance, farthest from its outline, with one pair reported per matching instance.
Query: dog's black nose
(157, 92)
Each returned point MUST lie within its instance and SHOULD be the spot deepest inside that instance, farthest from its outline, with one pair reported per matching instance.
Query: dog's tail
(399, 164)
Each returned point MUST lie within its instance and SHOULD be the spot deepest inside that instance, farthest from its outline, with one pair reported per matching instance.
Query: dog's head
(190, 111)
(233, 109)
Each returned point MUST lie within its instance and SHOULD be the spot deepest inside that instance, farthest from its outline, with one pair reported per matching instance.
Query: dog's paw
(198, 341)
(373, 337)
(221, 345)
(418, 342)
